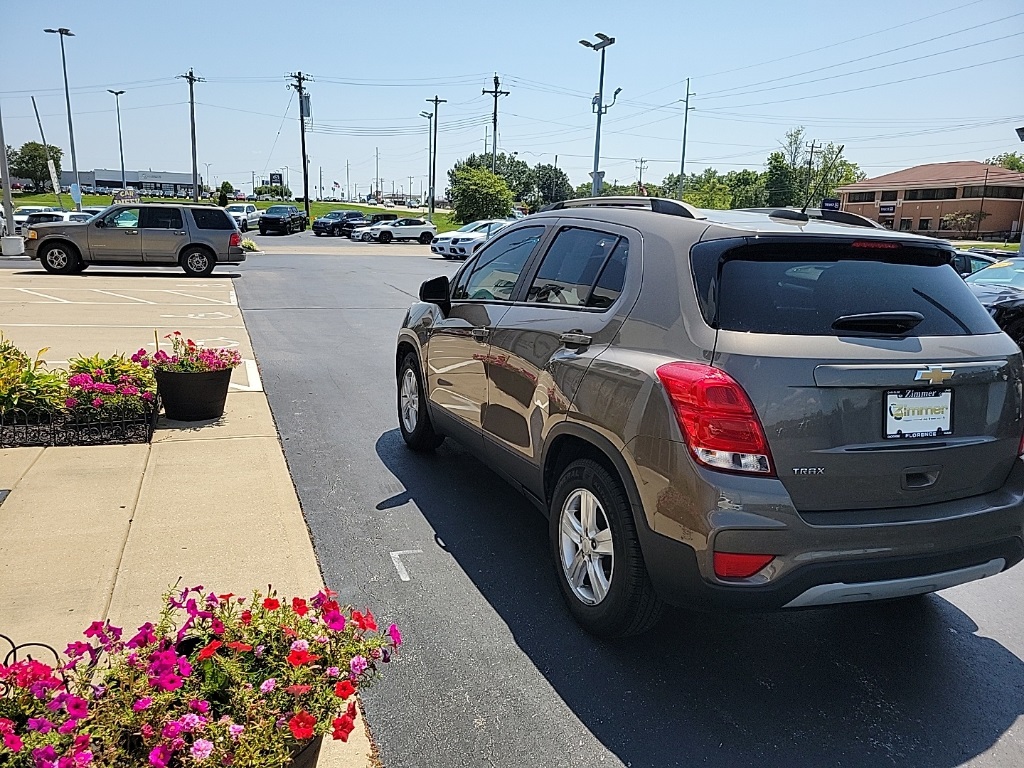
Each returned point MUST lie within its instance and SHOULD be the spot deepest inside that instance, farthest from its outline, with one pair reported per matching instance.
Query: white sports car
(463, 242)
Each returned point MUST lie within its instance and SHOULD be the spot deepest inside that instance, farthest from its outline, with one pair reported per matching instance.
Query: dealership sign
(830, 204)
(275, 179)
(129, 195)
(887, 208)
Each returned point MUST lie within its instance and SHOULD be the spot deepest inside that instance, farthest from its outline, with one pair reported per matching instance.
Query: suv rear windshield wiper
(883, 323)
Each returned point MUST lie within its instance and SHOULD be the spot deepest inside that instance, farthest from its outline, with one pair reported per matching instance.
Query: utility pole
(430, 158)
(120, 141)
(981, 208)
(254, 183)
(433, 162)
(810, 167)
(321, 190)
(376, 178)
(348, 184)
(495, 92)
(46, 149)
(486, 145)
(641, 167)
(410, 187)
(192, 80)
(686, 121)
(299, 81)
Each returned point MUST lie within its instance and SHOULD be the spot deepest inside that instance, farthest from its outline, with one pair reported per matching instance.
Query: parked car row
(463, 242)
(284, 219)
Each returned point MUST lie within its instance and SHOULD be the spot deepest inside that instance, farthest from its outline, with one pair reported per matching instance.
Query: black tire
(263, 231)
(420, 435)
(425, 238)
(245, 226)
(317, 232)
(81, 266)
(197, 262)
(385, 237)
(59, 259)
(1015, 331)
(630, 605)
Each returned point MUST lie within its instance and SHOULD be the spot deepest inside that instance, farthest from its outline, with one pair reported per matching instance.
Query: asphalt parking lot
(307, 242)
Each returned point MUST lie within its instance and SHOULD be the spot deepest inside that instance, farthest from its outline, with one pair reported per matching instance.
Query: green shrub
(26, 383)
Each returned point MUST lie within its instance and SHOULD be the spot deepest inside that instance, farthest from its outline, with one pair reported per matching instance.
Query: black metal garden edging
(44, 427)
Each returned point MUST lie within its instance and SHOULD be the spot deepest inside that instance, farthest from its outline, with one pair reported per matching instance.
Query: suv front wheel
(59, 259)
(598, 562)
(197, 262)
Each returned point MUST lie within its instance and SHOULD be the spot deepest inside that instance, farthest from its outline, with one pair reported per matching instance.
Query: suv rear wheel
(598, 562)
(426, 237)
(413, 419)
(59, 259)
(197, 262)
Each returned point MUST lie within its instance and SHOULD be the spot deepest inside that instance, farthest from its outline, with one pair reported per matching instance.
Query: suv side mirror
(101, 223)
(437, 291)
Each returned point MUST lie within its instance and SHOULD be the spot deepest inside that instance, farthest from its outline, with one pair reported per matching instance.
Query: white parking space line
(89, 325)
(201, 298)
(44, 295)
(252, 373)
(399, 566)
(122, 296)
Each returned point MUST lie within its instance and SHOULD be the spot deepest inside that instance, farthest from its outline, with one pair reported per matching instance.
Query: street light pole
(599, 107)
(208, 176)
(430, 163)
(65, 32)
(120, 141)
(686, 122)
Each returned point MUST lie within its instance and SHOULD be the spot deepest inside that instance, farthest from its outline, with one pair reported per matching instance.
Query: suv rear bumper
(943, 545)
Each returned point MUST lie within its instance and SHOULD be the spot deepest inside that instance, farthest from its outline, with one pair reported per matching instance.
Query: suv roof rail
(822, 214)
(656, 204)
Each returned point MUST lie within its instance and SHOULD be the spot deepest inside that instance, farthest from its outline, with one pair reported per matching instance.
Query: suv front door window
(459, 345)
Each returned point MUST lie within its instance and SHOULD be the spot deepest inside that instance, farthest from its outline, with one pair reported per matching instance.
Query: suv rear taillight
(716, 418)
(236, 240)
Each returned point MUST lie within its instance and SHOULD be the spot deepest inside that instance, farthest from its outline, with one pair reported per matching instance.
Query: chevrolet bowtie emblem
(934, 374)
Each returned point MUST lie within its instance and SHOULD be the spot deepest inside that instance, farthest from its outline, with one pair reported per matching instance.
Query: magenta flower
(80, 380)
(68, 727)
(171, 729)
(268, 685)
(201, 707)
(335, 621)
(191, 722)
(97, 403)
(76, 707)
(160, 756)
(40, 724)
(300, 645)
(147, 396)
(357, 665)
(71, 402)
(333, 672)
(166, 682)
(142, 703)
(202, 749)
(13, 742)
(235, 731)
(395, 635)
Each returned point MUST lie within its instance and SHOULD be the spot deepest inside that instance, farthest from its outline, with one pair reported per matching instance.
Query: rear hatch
(880, 380)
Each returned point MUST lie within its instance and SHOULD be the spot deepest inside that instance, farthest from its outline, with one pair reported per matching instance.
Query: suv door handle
(481, 334)
(575, 339)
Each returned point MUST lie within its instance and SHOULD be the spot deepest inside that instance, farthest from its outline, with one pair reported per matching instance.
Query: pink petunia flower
(268, 685)
(202, 749)
(357, 665)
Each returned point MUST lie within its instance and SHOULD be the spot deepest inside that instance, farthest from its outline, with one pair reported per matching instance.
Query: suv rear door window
(497, 268)
(571, 267)
(212, 218)
(805, 294)
(161, 218)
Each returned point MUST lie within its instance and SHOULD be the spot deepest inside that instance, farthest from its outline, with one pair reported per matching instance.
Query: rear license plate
(918, 413)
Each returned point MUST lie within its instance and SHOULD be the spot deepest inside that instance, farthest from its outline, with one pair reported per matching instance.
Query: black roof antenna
(824, 176)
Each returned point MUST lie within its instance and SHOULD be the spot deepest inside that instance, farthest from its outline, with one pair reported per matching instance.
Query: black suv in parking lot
(337, 222)
(727, 408)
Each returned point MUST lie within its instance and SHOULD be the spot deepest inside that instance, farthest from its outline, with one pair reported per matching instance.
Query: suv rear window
(802, 290)
(212, 218)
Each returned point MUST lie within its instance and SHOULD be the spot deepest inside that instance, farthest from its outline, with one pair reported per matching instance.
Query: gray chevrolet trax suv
(727, 408)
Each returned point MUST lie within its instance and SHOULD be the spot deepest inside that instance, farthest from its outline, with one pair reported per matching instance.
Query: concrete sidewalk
(101, 532)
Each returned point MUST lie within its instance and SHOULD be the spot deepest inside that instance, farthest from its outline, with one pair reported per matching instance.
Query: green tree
(226, 188)
(707, 190)
(29, 162)
(746, 188)
(1013, 161)
(964, 222)
(478, 194)
(551, 183)
(518, 176)
(274, 191)
(222, 198)
(779, 182)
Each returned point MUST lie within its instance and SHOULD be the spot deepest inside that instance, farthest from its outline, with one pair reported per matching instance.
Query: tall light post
(430, 149)
(599, 107)
(208, 179)
(120, 142)
(65, 32)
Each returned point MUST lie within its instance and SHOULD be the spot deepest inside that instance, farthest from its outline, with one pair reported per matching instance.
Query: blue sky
(758, 68)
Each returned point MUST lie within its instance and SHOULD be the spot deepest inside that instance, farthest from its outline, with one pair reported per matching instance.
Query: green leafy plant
(25, 382)
(110, 384)
(249, 245)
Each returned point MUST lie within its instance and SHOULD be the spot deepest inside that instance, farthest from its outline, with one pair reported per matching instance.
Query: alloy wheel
(57, 258)
(585, 546)
(410, 400)
(198, 261)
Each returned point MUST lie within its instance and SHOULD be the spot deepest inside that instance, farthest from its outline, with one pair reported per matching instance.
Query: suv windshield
(278, 209)
(805, 290)
(1009, 272)
(239, 208)
(473, 227)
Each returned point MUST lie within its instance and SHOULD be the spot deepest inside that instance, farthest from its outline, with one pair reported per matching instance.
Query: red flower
(364, 622)
(209, 650)
(299, 690)
(224, 598)
(271, 603)
(299, 606)
(288, 631)
(329, 606)
(344, 689)
(343, 726)
(302, 725)
(298, 658)
(237, 646)
(247, 618)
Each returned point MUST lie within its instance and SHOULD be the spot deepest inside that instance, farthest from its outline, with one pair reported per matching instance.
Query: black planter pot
(193, 396)
(307, 755)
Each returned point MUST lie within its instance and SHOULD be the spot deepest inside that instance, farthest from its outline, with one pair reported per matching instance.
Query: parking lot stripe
(44, 295)
(122, 296)
(201, 298)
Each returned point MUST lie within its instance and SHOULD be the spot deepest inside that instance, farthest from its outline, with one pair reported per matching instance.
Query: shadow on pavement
(116, 272)
(893, 684)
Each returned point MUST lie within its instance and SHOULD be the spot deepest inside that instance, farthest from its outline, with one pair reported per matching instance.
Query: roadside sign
(54, 178)
(76, 194)
(830, 204)
(887, 208)
(130, 195)
(275, 180)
